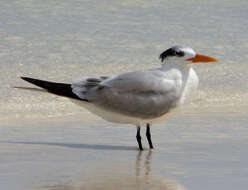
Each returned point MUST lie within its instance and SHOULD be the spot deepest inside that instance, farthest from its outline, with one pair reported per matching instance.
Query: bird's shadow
(75, 145)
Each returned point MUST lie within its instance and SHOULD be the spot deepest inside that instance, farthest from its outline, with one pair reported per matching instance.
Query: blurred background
(65, 40)
(47, 142)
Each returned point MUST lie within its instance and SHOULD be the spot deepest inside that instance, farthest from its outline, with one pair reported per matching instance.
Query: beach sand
(48, 143)
(193, 152)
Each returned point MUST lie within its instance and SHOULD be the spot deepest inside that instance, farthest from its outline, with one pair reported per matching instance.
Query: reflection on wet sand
(147, 163)
(142, 180)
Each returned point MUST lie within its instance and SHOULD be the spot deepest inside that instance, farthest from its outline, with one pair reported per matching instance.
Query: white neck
(189, 78)
(168, 65)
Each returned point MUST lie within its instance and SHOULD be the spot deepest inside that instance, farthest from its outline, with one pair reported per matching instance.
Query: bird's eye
(179, 53)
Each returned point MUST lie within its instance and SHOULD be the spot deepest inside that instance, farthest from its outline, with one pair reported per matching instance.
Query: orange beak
(202, 58)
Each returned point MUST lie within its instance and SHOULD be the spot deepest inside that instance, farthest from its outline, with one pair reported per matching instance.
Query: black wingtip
(60, 89)
(31, 80)
(24, 78)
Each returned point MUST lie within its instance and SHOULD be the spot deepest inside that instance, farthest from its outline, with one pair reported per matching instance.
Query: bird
(140, 98)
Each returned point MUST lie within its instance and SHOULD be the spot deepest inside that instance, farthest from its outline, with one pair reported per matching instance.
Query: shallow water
(43, 142)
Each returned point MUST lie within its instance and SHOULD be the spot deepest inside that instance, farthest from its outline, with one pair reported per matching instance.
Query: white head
(183, 56)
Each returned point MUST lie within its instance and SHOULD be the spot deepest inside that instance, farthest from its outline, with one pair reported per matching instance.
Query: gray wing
(143, 94)
(84, 86)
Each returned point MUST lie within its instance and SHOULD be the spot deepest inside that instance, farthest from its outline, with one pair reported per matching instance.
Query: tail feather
(61, 89)
(30, 88)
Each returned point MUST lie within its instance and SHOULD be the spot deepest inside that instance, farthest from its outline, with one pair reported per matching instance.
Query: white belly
(120, 118)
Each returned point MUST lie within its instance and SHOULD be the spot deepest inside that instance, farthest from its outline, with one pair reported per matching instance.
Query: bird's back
(144, 94)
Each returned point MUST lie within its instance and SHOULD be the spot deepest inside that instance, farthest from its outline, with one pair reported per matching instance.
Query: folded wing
(143, 94)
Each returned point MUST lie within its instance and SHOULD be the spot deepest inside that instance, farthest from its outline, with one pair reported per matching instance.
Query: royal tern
(139, 97)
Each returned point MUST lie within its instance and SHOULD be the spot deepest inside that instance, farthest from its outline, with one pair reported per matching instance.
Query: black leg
(138, 137)
(148, 135)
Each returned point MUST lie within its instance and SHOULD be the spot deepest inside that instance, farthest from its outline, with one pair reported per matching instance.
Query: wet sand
(48, 143)
(207, 152)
